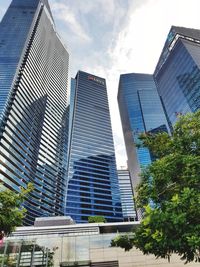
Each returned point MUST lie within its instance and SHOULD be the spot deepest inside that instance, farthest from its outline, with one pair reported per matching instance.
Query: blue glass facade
(14, 29)
(92, 177)
(177, 74)
(141, 110)
(126, 193)
(33, 107)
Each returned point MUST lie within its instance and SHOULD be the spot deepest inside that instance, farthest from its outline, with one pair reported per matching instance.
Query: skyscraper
(177, 73)
(93, 187)
(141, 110)
(126, 193)
(33, 106)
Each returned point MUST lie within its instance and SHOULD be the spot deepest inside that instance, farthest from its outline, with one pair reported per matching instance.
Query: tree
(170, 194)
(96, 219)
(11, 211)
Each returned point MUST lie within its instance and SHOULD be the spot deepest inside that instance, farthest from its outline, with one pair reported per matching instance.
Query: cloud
(3, 7)
(63, 13)
(137, 46)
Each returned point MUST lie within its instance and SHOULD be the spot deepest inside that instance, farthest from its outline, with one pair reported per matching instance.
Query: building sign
(95, 79)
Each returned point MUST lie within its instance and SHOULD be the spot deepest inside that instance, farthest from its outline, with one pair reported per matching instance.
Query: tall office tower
(126, 193)
(93, 187)
(33, 106)
(141, 110)
(177, 73)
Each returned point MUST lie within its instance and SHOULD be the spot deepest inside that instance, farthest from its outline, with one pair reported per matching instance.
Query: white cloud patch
(64, 13)
(138, 45)
(4, 5)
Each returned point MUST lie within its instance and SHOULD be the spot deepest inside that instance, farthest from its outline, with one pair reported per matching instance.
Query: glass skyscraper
(177, 73)
(126, 193)
(33, 106)
(141, 111)
(93, 187)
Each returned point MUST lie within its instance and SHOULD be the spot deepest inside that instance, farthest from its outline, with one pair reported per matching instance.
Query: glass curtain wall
(141, 111)
(93, 184)
(34, 126)
(177, 73)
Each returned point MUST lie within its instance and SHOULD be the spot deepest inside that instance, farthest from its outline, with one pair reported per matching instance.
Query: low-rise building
(71, 245)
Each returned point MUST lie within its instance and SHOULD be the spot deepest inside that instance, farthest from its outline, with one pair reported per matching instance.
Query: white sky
(111, 37)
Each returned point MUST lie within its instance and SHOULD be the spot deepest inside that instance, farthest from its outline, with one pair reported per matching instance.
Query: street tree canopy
(169, 192)
(96, 219)
(11, 211)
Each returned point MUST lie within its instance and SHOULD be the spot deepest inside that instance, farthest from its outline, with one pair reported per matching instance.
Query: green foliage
(170, 193)
(11, 213)
(123, 241)
(96, 219)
